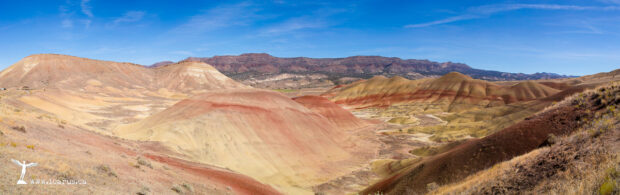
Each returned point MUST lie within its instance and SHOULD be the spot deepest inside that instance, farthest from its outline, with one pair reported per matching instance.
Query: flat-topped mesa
(259, 64)
(69, 72)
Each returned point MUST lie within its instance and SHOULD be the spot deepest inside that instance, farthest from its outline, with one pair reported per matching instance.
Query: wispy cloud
(69, 18)
(443, 21)
(220, 17)
(320, 18)
(86, 22)
(294, 24)
(182, 53)
(67, 23)
(65, 15)
(488, 10)
(610, 1)
(130, 16)
(86, 9)
(584, 28)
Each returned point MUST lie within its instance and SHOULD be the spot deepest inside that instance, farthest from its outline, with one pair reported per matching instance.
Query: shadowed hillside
(478, 154)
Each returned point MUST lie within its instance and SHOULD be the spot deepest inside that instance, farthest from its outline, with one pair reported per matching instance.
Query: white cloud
(442, 21)
(67, 23)
(487, 10)
(294, 24)
(320, 18)
(86, 9)
(87, 23)
(220, 17)
(130, 16)
(69, 18)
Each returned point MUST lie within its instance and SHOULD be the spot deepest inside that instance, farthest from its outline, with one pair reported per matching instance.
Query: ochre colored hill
(262, 134)
(340, 117)
(528, 90)
(65, 149)
(452, 89)
(518, 139)
(68, 72)
(185, 76)
(374, 91)
(259, 133)
(38, 71)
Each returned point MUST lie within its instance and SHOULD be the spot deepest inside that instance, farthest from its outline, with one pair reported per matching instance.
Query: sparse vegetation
(19, 128)
(144, 162)
(144, 191)
(176, 189)
(188, 187)
(431, 186)
(105, 170)
(585, 162)
(134, 165)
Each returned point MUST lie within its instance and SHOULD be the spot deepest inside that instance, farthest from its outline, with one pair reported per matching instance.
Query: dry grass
(144, 162)
(585, 162)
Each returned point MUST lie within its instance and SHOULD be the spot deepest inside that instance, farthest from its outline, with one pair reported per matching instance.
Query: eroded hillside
(581, 129)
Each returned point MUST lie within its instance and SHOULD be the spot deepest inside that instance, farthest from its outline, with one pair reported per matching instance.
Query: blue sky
(566, 37)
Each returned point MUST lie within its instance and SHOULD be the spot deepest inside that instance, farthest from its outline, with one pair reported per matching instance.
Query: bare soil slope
(109, 165)
(340, 117)
(195, 113)
(453, 90)
(68, 72)
(478, 154)
(259, 133)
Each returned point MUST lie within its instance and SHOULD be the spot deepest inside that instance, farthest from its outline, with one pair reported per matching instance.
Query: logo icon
(24, 166)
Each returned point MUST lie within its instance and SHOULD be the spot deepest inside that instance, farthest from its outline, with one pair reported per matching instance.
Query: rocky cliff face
(252, 65)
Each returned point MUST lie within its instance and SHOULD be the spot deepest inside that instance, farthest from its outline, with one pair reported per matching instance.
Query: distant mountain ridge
(252, 65)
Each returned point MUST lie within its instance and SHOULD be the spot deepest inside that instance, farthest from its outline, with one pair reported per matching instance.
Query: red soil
(240, 184)
(334, 113)
(420, 95)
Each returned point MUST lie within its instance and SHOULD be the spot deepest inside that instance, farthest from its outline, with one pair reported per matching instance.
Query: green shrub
(607, 188)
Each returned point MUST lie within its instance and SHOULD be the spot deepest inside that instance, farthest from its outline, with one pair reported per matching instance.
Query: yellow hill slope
(255, 132)
(68, 72)
(450, 90)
